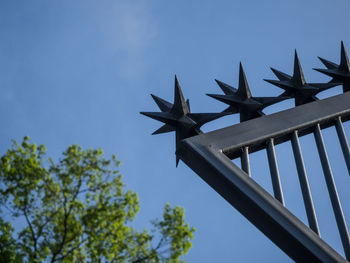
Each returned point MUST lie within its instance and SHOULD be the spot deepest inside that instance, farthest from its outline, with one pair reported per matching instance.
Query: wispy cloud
(138, 28)
(129, 29)
(127, 25)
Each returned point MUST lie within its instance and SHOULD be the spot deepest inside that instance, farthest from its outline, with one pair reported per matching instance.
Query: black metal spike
(344, 60)
(339, 73)
(164, 129)
(165, 117)
(228, 99)
(243, 87)
(298, 75)
(241, 100)
(163, 105)
(177, 116)
(296, 87)
(328, 64)
(227, 89)
(280, 75)
(180, 106)
(286, 85)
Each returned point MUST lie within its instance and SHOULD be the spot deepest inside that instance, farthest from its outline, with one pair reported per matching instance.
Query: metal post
(343, 142)
(304, 184)
(275, 177)
(245, 160)
(332, 190)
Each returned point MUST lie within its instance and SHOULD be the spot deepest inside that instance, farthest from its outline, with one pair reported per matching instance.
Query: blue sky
(81, 71)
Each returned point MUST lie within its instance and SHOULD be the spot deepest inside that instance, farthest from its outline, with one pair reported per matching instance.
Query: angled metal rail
(210, 154)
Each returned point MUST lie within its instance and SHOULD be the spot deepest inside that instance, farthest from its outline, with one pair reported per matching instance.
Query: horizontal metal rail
(209, 156)
(280, 126)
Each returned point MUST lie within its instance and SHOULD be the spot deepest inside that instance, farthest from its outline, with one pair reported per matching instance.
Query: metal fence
(210, 154)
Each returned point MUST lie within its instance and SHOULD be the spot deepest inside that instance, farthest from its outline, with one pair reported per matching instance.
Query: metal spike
(164, 129)
(328, 72)
(280, 75)
(180, 106)
(228, 99)
(338, 73)
(297, 87)
(328, 64)
(177, 117)
(344, 60)
(162, 104)
(227, 89)
(298, 75)
(241, 100)
(243, 87)
(165, 117)
(281, 84)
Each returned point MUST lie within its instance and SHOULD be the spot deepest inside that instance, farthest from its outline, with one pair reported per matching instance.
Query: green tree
(76, 210)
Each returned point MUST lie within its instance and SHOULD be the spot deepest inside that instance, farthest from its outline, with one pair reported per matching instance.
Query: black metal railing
(208, 155)
(303, 179)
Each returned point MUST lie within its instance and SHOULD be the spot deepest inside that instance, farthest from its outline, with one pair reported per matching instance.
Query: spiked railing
(210, 154)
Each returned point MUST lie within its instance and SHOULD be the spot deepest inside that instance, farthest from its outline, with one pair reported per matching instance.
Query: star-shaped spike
(177, 116)
(241, 100)
(227, 89)
(339, 73)
(295, 86)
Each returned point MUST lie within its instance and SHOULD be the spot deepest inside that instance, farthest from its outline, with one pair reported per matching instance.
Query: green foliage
(77, 211)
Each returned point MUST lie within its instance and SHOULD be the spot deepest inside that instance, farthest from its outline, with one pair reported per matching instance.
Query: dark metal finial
(339, 73)
(296, 87)
(177, 117)
(241, 100)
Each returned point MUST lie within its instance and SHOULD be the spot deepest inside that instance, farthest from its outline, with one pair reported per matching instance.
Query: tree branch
(65, 221)
(32, 233)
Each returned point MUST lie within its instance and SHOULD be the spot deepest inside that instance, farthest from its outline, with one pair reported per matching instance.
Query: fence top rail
(280, 126)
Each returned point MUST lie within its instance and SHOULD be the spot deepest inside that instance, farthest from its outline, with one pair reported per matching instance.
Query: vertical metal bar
(275, 177)
(343, 142)
(245, 160)
(304, 184)
(332, 190)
